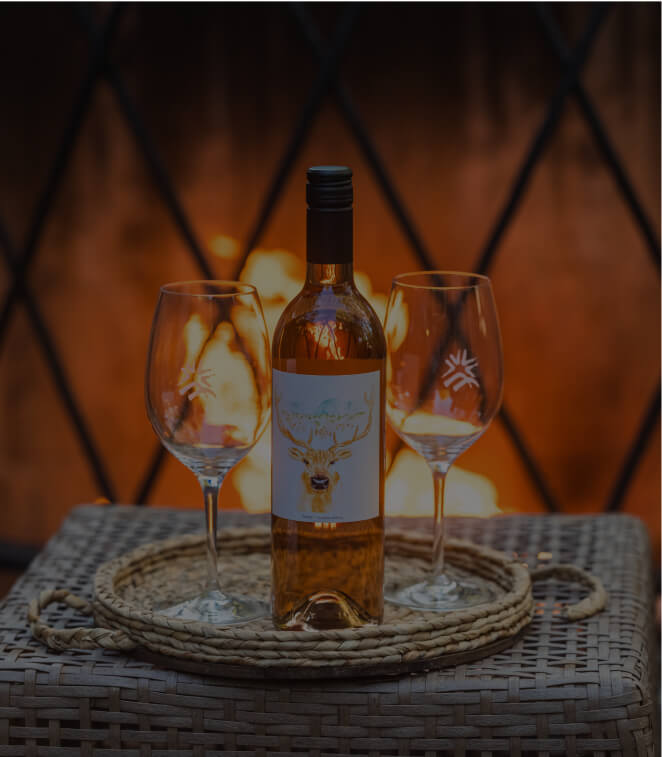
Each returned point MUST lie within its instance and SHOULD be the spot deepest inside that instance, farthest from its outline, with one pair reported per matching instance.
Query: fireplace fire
(278, 275)
(153, 167)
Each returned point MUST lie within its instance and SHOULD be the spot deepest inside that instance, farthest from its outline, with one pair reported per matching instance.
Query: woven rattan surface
(564, 688)
(129, 588)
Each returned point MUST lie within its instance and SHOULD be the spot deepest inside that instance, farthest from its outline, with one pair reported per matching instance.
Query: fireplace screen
(149, 143)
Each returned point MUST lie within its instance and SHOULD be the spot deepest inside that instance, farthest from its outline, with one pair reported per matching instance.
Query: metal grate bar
(165, 187)
(152, 158)
(57, 371)
(327, 71)
(634, 455)
(149, 479)
(573, 67)
(600, 135)
(312, 36)
(327, 80)
(544, 132)
(45, 203)
(531, 466)
(314, 40)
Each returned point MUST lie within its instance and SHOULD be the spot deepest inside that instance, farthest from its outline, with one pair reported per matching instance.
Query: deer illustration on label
(321, 441)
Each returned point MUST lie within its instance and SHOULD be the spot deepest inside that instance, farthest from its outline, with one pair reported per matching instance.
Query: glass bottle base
(217, 609)
(449, 591)
(323, 611)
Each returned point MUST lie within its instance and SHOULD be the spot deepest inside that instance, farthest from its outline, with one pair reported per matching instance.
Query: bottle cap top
(329, 188)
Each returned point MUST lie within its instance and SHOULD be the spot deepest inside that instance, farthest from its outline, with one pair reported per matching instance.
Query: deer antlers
(286, 431)
(356, 436)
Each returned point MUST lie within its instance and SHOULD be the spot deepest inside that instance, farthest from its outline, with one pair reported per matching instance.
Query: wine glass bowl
(208, 397)
(444, 374)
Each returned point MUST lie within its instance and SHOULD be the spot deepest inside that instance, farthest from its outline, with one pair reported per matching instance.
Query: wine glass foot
(450, 591)
(217, 609)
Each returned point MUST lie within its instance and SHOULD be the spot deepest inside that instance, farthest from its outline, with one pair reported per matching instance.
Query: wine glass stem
(210, 489)
(439, 476)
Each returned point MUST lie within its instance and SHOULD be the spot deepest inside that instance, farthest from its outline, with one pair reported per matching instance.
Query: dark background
(189, 150)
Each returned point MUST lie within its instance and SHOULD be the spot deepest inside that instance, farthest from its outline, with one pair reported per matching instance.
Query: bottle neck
(329, 274)
(329, 246)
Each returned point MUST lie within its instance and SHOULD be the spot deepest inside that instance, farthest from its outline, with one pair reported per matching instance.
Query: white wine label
(325, 447)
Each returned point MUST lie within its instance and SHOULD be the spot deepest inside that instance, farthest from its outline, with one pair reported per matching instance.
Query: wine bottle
(327, 483)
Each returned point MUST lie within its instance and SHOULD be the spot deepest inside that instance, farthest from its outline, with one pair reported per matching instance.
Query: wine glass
(444, 382)
(208, 397)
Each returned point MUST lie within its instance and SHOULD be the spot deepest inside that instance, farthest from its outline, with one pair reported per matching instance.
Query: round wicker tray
(128, 589)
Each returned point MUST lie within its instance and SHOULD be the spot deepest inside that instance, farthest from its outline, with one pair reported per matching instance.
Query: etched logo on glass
(196, 382)
(460, 371)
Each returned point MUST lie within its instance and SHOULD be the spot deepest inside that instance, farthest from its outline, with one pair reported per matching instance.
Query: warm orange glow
(398, 321)
(194, 337)
(409, 489)
(429, 424)
(253, 477)
(234, 387)
(224, 247)
(323, 337)
(278, 276)
(222, 382)
(376, 299)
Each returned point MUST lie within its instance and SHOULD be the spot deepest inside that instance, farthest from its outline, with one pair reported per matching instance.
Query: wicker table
(566, 689)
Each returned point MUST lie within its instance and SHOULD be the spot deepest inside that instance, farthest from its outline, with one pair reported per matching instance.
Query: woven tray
(128, 589)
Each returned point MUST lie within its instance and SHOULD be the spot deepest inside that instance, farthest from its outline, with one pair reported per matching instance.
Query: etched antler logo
(319, 478)
(459, 371)
(195, 382)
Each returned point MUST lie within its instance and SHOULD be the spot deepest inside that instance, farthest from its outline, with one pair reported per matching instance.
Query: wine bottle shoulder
(335, 316)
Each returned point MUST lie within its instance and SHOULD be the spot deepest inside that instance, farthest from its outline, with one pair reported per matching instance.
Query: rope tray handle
(73, 638)
(119, 640)
(590, 605)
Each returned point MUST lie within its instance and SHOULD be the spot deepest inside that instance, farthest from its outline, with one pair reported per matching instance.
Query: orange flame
(278, 276)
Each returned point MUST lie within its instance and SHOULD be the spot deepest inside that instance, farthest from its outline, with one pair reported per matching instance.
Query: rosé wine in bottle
(328, 431)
